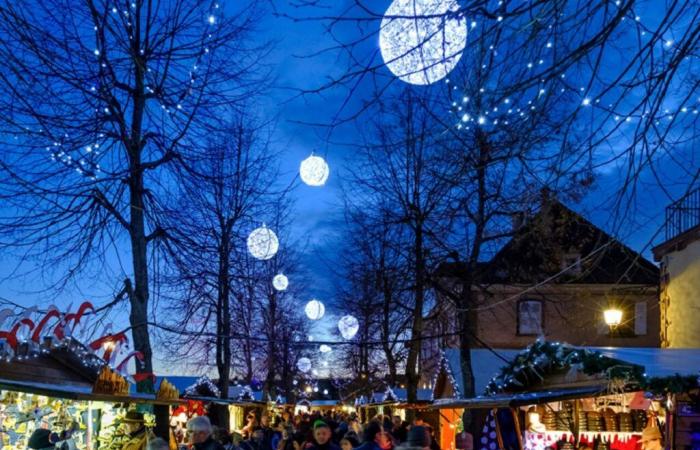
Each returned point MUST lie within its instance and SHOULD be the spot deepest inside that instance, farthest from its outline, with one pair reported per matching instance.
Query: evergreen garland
(540, 359)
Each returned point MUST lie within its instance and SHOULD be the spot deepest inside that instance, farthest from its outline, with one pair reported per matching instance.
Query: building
(554, 279)
(679, 256)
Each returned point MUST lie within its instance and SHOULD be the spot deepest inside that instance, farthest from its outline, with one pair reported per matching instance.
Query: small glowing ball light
(314, 171)
(280, 282)
(304, 364)
(420, 42)
(348, 327)
(314, 309)
(263, 243)
(324, 348)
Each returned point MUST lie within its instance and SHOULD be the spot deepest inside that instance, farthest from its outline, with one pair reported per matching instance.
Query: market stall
(51, 381)
(554, 396)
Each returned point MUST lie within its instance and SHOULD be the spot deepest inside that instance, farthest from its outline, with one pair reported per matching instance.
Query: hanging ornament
(348, 326)
(304, 364)
(314, 171)
(421, 41)
(325, 348)
(280, 282)
(263, 243)
(314, 309)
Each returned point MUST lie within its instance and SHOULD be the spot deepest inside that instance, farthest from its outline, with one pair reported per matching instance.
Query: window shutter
(640, 318)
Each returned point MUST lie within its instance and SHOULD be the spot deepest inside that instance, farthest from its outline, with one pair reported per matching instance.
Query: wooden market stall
(66, 388)
(553, 396)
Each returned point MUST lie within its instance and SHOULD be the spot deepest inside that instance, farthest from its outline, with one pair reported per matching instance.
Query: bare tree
(401, 185)
(102, 99)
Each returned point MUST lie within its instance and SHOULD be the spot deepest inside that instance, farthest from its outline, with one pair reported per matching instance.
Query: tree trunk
(223, 329)
(386, 321)
(412, 375)
(138, 318)
(269, 387)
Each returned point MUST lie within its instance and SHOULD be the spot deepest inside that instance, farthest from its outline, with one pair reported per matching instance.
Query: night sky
(318, 212)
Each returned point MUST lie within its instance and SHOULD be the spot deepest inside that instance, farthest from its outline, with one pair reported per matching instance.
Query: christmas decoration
(246, 394)
(304, 364)
(314, 309)
(280, 282)
(167, 391)
(421, 41)
(348, 326)
(110, 382)
(489, 440)
(542, 358)
(314, 171)
(262, 243)
(204, 387)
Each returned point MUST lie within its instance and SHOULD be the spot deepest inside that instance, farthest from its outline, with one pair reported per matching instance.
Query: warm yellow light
(613, 317)
(308, 389)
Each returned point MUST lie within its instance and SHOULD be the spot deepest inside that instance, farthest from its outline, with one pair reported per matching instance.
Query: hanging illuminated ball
(280, 282)
(263, 243)
(348, 327)
(314, 309)
(325, 348)
(314, 171)
(304, 364)
(420, 42)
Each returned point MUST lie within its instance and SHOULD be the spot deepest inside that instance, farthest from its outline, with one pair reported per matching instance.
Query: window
(640, 318)
(571, 262)
(530, 317)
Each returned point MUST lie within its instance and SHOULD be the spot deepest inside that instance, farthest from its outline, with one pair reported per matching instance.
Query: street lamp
(613, 318)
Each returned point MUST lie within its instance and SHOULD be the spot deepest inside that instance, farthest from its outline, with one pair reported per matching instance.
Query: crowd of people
(316, 431)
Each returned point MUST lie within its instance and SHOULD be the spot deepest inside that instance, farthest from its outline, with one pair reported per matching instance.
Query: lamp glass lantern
(613, 317)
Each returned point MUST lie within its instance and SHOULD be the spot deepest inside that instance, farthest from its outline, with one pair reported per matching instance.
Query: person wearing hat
(651, 438)
(322, 437)
(375, 438)
(136, 431)
(40, 440)
(417, 438)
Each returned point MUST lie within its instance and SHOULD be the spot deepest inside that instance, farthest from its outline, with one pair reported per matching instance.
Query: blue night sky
(318, 213)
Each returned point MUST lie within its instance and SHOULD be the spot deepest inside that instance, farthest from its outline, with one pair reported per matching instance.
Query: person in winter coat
(417, 438)
(256, 441)
(199, 431)
(375, 438)
(323, 437)
(137, 432)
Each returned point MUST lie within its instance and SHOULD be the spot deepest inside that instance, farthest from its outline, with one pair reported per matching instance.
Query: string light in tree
(314, 309)
(314, 171)
(262, 243)
(348, 326)
(280, 282)
(422, 41)
(304, 364)
(325, 348)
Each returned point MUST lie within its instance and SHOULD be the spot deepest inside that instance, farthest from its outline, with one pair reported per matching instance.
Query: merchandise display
(71, 424)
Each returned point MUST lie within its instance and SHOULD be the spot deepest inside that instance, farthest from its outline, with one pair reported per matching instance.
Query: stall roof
(76, 392)
(658, 362)
(521, 399)
(424, 395)
(183, 382)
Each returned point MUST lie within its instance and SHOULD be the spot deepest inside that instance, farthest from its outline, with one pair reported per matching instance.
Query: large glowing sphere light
(280, 282)
(314, 171)
(422, 41)
(348, 326)
(314, 309)
(325, 348)
(263, 243)
(304, 364)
